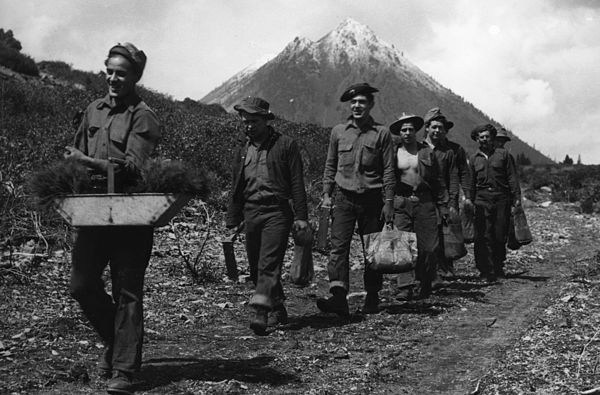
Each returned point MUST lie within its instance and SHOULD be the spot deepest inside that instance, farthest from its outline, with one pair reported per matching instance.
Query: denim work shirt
(129, 132)
(360, 160)
(495, 172)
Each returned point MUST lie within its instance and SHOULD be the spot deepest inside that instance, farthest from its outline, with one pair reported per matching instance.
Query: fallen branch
(583, 352)
(591, 392)
(477, 389)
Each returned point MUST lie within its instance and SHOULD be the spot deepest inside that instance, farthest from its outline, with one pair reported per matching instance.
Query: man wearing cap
(494, 188)
(119, 130)
(267, 174)
(420, 194)
(360, 165)
(503, 137)
(452, 160)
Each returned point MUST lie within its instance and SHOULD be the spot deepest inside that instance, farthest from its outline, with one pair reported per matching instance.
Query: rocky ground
(535, 332)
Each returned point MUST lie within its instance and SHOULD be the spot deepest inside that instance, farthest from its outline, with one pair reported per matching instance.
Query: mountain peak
(350, 25)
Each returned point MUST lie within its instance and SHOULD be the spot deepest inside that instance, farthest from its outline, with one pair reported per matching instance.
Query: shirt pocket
(370, 155)
(92, 140)
(345, 155)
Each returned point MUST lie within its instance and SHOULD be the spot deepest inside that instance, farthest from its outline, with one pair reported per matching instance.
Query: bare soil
(534, 332)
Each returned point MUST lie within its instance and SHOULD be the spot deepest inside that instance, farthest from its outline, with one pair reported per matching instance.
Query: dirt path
(198, 340)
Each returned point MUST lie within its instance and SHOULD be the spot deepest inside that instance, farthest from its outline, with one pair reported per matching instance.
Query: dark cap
(357, 89)
(255, 105)
(503, 134)
(435, 114)
(482, 128)
(415, 120)
(131, 53)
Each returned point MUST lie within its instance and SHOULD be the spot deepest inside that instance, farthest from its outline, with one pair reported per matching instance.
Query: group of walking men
(378, 177)
(374, 175)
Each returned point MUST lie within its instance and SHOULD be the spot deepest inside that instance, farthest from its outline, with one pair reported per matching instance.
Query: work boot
(335, 304)
(499, 272)
(120, 383)
(259, 323)
(371, 305)
(424, 290)
(278, 316)
(105, 363)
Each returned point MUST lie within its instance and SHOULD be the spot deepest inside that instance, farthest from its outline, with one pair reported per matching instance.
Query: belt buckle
(413, 198)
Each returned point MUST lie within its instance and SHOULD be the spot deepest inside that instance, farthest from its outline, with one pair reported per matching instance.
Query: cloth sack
(522, 232)
(467, 215)
(391, 250)
(302, 268)
(454, 242)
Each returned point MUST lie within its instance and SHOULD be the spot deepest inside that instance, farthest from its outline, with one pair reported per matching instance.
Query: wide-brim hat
(503, 134)
(435, 114)
(357, 89)
(255, 105)
(416, 121)
(482, 128)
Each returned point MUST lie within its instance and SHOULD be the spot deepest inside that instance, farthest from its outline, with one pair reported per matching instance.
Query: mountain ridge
(304, 81)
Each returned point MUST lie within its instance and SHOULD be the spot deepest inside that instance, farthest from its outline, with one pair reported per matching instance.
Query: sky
(533, 66)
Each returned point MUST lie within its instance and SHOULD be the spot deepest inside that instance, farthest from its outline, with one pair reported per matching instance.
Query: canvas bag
(454, 245)
(302, 268)
(391, 250)
(467, 215)
(522, 232)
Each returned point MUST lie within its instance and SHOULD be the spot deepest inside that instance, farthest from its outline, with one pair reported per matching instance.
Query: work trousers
(117, 319)
(351, 208)
(421, 218)
(492, 215)
(267, 230)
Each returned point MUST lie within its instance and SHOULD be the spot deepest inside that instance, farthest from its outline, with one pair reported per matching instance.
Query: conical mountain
(305, 81)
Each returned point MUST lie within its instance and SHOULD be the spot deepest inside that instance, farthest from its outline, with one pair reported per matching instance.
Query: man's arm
(297, 182)
(513, 180)
(330, 168)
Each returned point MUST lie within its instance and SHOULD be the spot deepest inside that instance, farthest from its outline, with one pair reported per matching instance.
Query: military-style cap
(503, 134)
(482, 128)
(255, 105)
(131, 53)
(435, 114)
(357, 89)
(416, 121)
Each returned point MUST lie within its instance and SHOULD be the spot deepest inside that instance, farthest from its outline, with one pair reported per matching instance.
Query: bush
(17, 61)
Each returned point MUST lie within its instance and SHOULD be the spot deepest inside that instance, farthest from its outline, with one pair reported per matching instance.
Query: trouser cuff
(339, 284)
(259, 300)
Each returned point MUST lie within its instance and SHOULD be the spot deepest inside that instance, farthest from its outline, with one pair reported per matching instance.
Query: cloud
(529, 65)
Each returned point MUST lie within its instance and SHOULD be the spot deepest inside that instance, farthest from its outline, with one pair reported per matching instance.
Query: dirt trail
(198, 340)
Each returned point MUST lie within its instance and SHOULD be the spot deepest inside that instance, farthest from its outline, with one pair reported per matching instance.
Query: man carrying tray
(267, 175)
(117, 129)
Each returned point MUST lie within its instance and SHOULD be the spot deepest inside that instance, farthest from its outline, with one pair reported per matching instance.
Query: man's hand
(74, 154)
(387, 212)
(468, 202)
(299, 225)
(517, 203)
(326, 202)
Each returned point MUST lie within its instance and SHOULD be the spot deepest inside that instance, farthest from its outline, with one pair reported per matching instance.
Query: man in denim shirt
(360, 163)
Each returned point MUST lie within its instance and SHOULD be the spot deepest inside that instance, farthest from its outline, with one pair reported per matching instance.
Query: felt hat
(503, 134)
(357, 89)
(435, 114)
(482, 128)
(255, 105)
(416, 121)
(132, 54)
